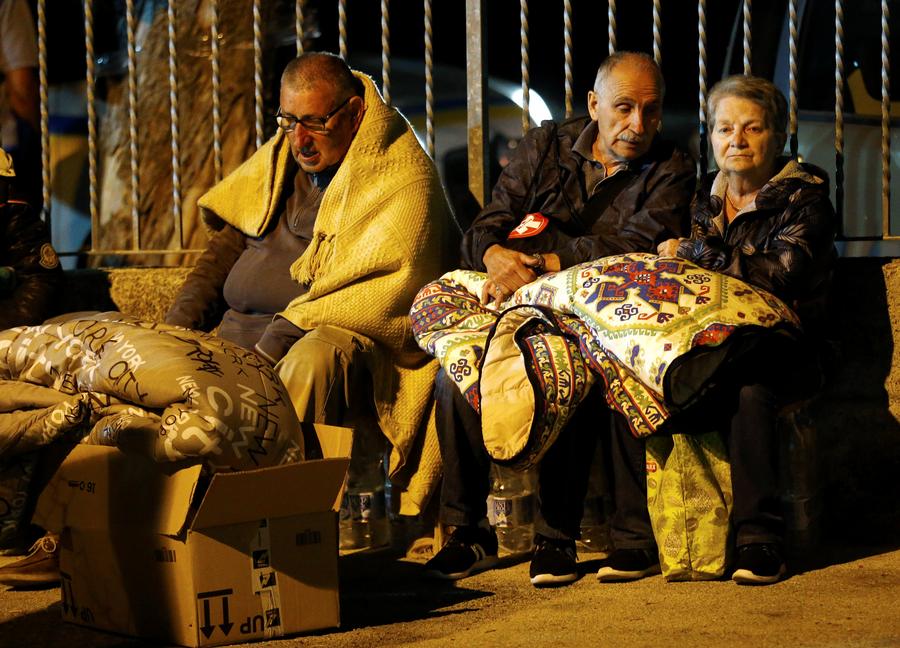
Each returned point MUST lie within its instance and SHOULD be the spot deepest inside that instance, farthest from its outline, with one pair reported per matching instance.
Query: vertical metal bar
(476, 94)
(429, 81)
(524, 65)
(173, 119)
(298, 25)
(130, 20)
(257, 72)
(385, 53)
(342, 28)
(885, 118)
(701, 68)
(748, 45)
(44, 107)
(91, 122)
(567, 53)
(611, 25)
(839, 113)
(657, 32)
(216, 111)
(792, 64)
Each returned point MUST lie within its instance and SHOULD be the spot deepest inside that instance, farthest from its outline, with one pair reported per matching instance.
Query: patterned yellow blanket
(659, 332)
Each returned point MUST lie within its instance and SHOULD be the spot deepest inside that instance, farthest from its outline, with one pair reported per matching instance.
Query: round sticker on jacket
(49, 259)
(532, 225)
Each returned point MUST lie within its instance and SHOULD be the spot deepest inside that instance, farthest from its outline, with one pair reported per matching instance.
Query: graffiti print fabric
(168, 392)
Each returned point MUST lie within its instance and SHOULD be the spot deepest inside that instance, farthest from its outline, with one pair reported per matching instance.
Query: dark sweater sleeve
(201, 303)
(279, 337)
(663, 214)
(38, 275)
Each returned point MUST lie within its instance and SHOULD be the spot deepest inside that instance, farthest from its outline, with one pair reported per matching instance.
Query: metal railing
(477, 87)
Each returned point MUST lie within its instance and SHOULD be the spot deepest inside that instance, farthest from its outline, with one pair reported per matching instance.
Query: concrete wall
(841, 451)
(856, 418)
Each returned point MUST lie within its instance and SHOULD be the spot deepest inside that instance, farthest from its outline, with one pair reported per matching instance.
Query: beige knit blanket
(380, 234)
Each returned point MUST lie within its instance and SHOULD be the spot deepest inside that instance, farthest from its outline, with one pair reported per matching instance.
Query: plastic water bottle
(364, 522)
(511, 508)
(597, 501)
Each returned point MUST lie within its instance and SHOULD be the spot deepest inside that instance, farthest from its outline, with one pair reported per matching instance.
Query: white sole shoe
(747, 577)
(488, 562)
(545, 580)
(610, 575)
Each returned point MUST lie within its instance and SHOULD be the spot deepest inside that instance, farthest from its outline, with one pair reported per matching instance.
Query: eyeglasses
(288, 122)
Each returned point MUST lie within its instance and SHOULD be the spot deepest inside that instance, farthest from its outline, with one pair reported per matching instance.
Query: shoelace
(47, 544)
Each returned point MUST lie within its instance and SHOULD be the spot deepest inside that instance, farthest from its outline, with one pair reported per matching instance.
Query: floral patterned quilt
(659, 332)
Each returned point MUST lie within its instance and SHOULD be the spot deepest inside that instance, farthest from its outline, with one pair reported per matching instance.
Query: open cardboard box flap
(293, 489)
(98, 487)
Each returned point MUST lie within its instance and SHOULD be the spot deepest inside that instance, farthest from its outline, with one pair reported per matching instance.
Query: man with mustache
(587, 188)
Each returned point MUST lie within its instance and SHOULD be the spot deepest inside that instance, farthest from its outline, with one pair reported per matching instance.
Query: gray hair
(760, 91)
(314, 68)
(639, 59)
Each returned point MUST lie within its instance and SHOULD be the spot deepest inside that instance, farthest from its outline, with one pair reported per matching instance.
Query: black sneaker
(759, 564)
(552, 562)
(40, 568)
(628, 565)
(469, 550)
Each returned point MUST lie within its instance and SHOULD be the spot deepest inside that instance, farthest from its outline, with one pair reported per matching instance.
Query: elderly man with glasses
(324, 236)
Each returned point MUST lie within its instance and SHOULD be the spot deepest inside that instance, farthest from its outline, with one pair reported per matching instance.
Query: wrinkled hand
(507, 271)
(492, 293)
(668, 248)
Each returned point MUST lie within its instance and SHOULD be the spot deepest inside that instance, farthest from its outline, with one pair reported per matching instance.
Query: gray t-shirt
(259, 284)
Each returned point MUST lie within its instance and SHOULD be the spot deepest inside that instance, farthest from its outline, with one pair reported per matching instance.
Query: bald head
(632, 60)
(626, 103)
(318, 69)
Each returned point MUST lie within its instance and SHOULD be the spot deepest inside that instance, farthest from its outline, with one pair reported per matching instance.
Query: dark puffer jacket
(29, 290)
(783, 242)
(650, 202)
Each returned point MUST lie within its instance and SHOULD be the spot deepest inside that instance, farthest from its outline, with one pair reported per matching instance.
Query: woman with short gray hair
(768, 220)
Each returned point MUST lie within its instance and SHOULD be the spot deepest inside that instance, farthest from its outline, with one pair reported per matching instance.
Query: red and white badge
(532, 225)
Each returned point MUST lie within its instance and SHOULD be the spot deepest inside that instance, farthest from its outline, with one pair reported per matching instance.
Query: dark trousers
(562, 475)
(748, 425)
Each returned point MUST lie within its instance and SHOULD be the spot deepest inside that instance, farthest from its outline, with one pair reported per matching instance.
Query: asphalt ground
(842, 596)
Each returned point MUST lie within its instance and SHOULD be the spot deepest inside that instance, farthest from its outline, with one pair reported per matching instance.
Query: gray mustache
(631, 138)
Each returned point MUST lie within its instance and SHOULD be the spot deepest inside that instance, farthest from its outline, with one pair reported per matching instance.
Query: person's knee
(312, 358)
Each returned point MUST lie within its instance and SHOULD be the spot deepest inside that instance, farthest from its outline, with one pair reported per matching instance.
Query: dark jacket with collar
(783, 242)
(34, 275)
(648, 205)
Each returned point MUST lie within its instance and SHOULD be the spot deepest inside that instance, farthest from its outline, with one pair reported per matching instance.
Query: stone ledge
(146, 293)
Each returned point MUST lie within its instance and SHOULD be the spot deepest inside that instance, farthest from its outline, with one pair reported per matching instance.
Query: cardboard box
(145, 553)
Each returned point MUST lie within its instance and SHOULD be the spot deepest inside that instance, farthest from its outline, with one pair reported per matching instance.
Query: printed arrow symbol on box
(206, 628)
(225, 626)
